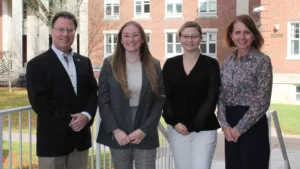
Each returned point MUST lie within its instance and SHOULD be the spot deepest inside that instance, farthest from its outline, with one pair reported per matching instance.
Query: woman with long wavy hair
(131, 100)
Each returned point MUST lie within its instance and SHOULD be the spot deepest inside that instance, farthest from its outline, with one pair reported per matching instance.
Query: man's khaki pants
(75, 160)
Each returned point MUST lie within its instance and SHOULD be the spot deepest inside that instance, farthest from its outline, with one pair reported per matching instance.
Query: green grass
(16, 155)
(17, 98)
(25, 156)
(289, 117)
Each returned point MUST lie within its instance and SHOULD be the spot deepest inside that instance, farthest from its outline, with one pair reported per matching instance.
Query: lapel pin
(78, 60)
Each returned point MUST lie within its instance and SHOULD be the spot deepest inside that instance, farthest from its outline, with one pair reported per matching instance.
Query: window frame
(210, 31)
(111, 33)
(148, 32)
(112, 16)
(143, 14)
(296, 93)
(290, 56)
(24, 18)
(174, 3)
(207, 14)
(175, 37)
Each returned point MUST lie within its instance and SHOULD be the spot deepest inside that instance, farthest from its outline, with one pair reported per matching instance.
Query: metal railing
(99, 154)
(273, 114)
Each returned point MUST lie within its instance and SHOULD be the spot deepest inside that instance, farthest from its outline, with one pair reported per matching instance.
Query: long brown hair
(250, 24)
(118, 61)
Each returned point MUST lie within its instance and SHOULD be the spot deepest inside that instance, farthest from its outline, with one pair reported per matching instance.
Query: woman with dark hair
(245, 93)
(192, 86)
(131, 97)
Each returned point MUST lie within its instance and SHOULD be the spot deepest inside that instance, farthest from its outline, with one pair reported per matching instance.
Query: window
(173, 8)
(208, 44)
(110, 42)
(297, 93)
(294, 40)
(148, 33)
(207, 8)
(173, 46)
(112, 9)
(24, 18)
(142, 8)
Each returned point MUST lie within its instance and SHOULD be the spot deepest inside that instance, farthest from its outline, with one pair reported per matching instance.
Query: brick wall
(276, 12)
(279, 12)
(157, 24)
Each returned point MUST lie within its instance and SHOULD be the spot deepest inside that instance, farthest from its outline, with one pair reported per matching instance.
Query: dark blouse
(191, 99)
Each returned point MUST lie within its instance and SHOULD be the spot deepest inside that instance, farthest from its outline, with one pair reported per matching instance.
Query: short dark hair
(64, 14)
(190, 24)
(250, 24)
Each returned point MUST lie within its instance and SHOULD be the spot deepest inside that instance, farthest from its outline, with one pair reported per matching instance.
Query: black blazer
(115, 110)
(52, 97)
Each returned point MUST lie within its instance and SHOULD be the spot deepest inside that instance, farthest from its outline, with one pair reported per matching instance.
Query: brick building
(100, 20)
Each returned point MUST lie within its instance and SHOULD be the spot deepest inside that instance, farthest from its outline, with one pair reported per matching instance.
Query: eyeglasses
(193, 37)
(133, 36)
(62, 30)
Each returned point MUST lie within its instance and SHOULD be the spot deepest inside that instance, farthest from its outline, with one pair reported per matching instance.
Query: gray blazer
(115, 110)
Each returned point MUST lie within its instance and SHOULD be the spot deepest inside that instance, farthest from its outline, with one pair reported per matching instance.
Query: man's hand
(181, 129)
(78, 122)
(137, 136)
(121, 137)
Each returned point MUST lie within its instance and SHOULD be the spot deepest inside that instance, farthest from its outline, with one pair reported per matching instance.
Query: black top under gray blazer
(115, 110)
(53, 98)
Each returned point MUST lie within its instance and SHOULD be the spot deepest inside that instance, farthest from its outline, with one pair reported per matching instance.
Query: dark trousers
(252, 150)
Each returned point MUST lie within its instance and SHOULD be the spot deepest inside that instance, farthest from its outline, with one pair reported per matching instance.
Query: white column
(43, 36)
(83, 28)
(1, 138)
(32, 34)
(242, 7)
(17, 33)
(6, 25)
(72, 6)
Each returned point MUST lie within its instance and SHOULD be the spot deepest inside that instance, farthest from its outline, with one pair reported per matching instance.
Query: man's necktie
(66, 59)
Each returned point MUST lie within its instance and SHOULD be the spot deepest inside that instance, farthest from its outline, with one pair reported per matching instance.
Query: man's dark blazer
(53, 98)
(115, 110)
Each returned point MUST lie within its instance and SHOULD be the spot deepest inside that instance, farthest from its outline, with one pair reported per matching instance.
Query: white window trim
(166, 43)
(143, 15)
(289, 55)
(104, 39)
(212, 30)
(173, 15)
(207, 14)
(111, 17)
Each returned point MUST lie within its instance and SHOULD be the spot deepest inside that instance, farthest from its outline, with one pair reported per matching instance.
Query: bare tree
(46, 14)
(6, 66)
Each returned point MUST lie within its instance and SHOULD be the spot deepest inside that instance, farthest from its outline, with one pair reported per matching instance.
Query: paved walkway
(292, 144)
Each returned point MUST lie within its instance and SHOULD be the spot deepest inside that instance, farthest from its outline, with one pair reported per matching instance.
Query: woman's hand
(228, 134)
(136, 136)
(235, 133)
(121, 137)
(181, 129)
